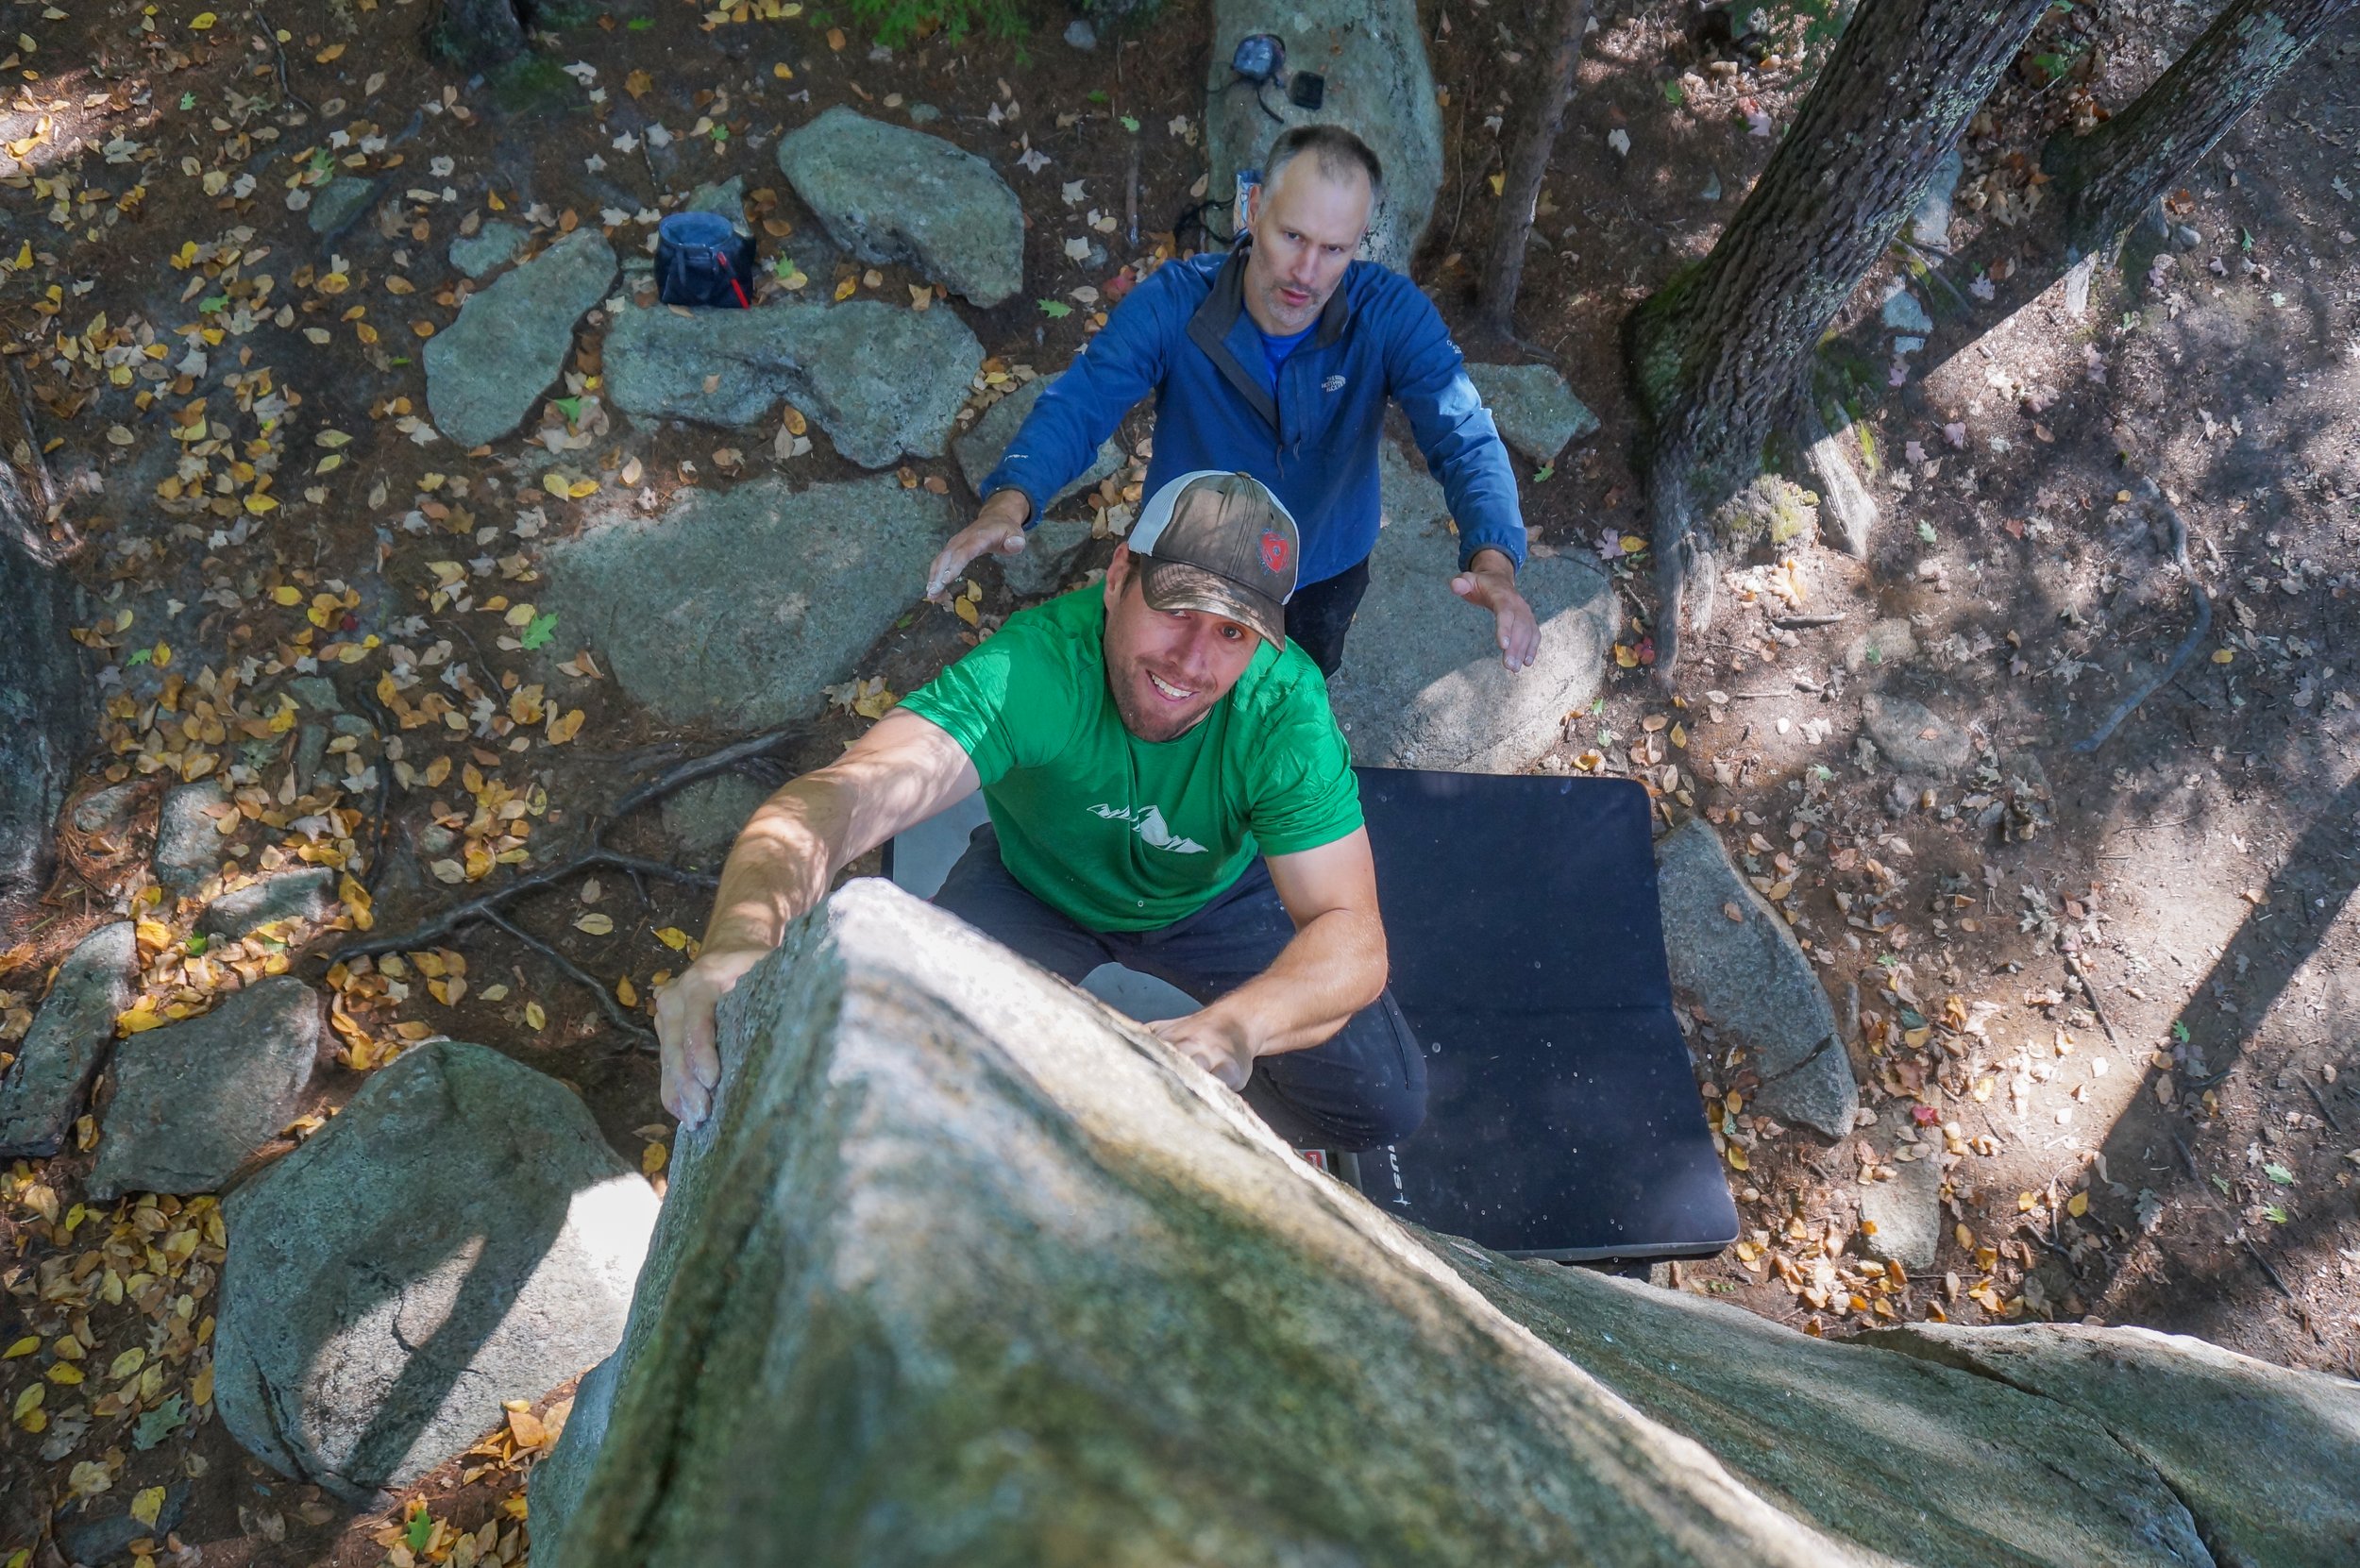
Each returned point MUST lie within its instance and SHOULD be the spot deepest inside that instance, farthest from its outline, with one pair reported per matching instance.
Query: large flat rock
(736, 606)
(1422, 683)
(193, 1101)
(485, 371)
(893, 195)
(43, 1087)
(2263, 1456)
(880, 379)
(965, 1268)
(1379, 87)
(459, 1236)
(1734, 957)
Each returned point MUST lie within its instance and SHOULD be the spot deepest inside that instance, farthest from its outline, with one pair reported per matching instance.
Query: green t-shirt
(1124, 835)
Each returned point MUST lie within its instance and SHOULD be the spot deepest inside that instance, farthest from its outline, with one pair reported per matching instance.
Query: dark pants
(1363, 1088)
(1319, 615)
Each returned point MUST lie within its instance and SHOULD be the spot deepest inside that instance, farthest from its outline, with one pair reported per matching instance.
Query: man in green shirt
(1167, 791)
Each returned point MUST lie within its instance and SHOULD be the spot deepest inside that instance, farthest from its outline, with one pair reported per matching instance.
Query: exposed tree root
(759, 755)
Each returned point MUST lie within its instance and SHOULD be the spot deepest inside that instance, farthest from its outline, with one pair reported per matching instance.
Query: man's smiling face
(1166, 668)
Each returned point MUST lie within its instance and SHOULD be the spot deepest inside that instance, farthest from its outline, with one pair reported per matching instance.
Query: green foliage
(899, 21)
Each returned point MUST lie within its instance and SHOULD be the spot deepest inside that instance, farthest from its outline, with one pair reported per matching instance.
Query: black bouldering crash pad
(1563, 1117)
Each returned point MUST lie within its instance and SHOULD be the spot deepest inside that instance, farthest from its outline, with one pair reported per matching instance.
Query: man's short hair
(1340, 153)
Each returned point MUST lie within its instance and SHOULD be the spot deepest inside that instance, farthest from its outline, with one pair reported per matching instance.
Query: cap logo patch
(1275, 553)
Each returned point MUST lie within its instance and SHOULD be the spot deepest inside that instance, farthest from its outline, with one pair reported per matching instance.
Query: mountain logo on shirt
(1334, 383)
(1148, 823)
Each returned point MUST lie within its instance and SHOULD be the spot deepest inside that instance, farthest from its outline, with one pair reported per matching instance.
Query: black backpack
(702, 259)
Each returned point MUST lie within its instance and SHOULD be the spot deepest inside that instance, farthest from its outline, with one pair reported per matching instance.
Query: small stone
(188, 846)
(1903, 314)
(726, 198)
(1080, 34)
(1906, 1212)
(195, 1100)
(337, 205)
(42, 1090)
(317, 694)
(924, 114)
(1915, 739)
(93, 1541)
(1930, 225)
(488, 249)
(1536, 412)
(107, 811)
(307, 895)
(2188, 237)
(310, 752)
(1713, 186)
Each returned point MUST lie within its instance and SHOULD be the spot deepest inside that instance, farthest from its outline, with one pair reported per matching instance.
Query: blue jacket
(1184, 334)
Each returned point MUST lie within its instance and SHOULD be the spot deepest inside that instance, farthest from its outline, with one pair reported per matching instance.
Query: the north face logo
(1334, 383)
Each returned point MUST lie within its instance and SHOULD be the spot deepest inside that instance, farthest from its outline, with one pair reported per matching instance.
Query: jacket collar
(1216, 319)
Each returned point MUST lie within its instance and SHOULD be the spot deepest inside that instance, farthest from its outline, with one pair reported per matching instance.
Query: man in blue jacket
(1276, 360)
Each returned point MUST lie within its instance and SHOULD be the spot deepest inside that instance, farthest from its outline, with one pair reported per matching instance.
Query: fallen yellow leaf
(534, 1018)
(150, 1501)
(626, 993)
(672, 936)
(202, 21)
(596, 924)
(651, 1159)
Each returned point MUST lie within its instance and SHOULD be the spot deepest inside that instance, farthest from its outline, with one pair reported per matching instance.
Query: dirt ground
(2178, 1149)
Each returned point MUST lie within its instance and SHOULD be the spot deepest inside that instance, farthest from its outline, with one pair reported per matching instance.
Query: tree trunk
(2121, 169)
(1718, 353)
(479, 33)
(44, 701)
(2104, 183)
(1519, 190)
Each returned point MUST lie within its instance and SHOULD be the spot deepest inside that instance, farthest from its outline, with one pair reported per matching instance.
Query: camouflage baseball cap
(1220, 543)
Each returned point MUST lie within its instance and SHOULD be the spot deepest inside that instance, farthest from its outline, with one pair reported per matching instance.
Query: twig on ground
(2321, 1099)
(2255, 1253)
(381, 813)
(2089, 988)
(2186, 650)
(279, 59)
(1796, 622)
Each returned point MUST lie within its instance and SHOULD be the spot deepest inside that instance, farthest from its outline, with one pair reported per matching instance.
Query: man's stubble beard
(1138, 723)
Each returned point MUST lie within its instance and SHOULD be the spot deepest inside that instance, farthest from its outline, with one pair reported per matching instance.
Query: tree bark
(1718, 353)
(1519, 190)
(2121, 169)
(479, 33)
(2104, 183)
